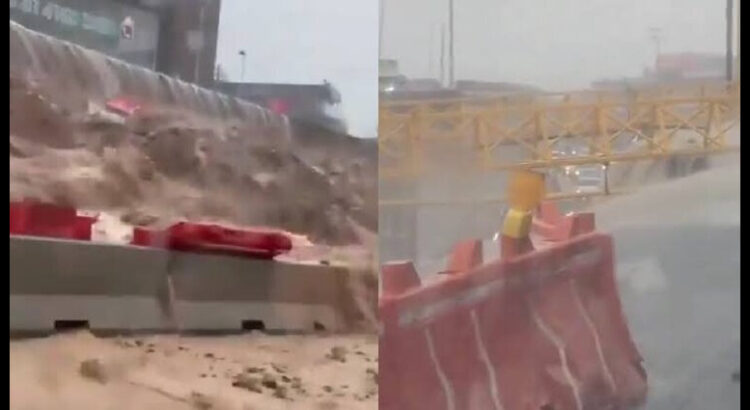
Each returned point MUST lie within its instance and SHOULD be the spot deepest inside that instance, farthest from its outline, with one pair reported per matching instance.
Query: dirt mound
(164, 165)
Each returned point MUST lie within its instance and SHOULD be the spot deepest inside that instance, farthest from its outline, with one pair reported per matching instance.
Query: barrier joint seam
(450, 400)
(595, 334)
(555, 340)
(485, 357)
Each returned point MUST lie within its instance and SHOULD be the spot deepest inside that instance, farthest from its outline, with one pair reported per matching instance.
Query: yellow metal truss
(653, 117)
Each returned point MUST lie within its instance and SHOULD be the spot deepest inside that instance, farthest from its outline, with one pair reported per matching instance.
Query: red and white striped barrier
(538, 330)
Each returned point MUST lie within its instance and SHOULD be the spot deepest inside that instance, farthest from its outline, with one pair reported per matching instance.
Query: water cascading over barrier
(72, 68)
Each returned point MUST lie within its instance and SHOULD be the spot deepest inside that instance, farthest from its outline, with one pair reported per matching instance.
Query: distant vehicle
(391, 84)
(590, 178)
(585, 178)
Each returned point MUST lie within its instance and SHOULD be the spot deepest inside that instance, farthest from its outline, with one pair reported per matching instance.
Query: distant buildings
(310, 103)
(396, 86)
(690, 66)
(675, 68)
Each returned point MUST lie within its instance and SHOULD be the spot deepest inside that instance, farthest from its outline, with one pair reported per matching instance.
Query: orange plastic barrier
(539, 329)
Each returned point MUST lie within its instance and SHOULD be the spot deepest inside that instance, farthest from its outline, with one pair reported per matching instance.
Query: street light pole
(380, 29)
(730, 37)
(451, 56)
(242, 66)
(656, 36)
(442, 55)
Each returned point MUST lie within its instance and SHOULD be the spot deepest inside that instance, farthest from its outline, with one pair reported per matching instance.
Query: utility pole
(431, 52)
(242, 66)
(380, 29)
(451, 56)
(442, 54)
(730, 38)
(656, 37)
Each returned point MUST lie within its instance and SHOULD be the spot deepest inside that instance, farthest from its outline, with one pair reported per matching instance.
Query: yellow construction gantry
(656, 122)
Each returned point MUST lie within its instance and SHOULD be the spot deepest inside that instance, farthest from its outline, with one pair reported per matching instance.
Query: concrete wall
(126, 288)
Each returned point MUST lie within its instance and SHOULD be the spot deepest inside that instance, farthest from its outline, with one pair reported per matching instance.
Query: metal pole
(656, 36)
(431, 52)
(442, 55)
(242, 66)
(730, 37)
(380, 29)
(737, 68)
(451, 56)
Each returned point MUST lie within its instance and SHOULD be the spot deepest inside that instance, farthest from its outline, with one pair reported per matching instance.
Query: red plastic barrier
(551, 224)
(123, 106)
(541, 330)
(191, 237)
(48, 220)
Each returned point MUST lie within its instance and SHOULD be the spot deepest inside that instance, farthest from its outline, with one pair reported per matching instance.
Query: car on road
(589, 178)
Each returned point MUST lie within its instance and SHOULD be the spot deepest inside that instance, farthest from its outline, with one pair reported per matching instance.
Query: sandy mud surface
(80, 371)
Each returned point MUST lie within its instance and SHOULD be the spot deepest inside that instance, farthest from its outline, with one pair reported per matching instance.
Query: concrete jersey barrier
(58, 275)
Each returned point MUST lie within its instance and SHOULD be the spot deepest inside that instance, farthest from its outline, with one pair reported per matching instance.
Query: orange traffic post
(525, 193)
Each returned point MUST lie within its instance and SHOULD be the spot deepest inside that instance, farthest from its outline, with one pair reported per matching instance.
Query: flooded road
(678, 266)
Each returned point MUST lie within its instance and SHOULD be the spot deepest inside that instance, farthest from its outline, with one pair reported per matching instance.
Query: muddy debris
(281, 392)
(93, 369)
(180, 165)
(200, 401)
(248, 382)
(269, 381)
(338, 353)
(254, 369)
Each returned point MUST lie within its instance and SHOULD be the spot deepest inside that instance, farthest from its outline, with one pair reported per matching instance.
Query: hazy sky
(304, 41)
(555, 44)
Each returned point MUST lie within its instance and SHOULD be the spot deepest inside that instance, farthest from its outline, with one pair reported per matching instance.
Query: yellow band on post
(517, 224)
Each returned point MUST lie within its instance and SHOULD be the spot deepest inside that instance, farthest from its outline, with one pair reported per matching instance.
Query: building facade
(176, 37)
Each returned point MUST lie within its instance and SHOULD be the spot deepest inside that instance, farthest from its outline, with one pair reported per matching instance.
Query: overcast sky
(554, 44)
(305, 41)
(557, 44)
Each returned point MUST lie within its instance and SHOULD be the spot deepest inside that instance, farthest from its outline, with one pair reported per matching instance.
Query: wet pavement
(678, 267)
